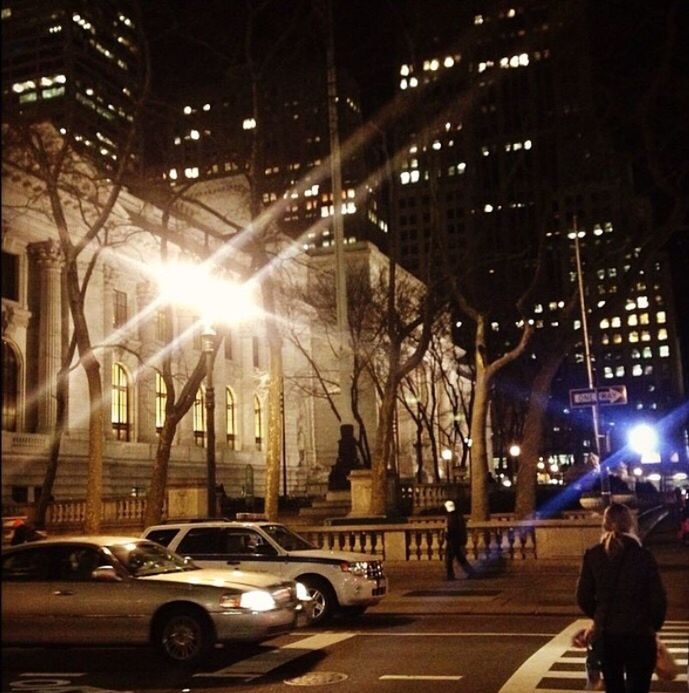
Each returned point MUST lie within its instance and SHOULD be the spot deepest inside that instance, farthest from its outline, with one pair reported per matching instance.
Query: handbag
(666, 667)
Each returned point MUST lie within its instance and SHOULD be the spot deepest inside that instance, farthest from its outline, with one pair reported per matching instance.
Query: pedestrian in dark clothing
(456, 540)
(619, 587)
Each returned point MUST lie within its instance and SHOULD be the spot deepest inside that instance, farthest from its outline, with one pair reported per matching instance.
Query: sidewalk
(526, 587)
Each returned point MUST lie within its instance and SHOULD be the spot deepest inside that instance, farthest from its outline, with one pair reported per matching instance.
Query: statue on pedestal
(347, 460)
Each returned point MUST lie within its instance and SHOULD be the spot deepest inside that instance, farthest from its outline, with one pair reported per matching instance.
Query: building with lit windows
(77, 64)
(499, 142)
(208, 133)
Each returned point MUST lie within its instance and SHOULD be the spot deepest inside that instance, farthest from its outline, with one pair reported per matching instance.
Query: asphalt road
(377, 652)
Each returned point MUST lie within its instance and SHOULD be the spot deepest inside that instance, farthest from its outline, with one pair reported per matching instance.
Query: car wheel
(183, 636)
(324, 600)
(352, 611)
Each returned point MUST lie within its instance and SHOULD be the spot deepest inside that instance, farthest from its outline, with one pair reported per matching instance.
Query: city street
(505, 654)
(508, 632)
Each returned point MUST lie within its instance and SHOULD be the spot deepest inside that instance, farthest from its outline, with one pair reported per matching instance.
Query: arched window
(10, 387)
(230, 414)
(199, 416)
(120, 402)
(258, 423)
(161, 399)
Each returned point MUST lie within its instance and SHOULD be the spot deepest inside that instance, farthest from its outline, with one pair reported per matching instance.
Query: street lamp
(446, 454)
(514, 451)
(196, 287)
(208, 345)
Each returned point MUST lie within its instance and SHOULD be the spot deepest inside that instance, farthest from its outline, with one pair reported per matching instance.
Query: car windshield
(146, 558)
(287, 539)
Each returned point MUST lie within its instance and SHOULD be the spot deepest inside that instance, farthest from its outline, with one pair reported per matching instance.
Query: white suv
(337, 581)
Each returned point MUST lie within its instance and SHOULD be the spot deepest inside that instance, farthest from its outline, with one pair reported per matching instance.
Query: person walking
(456, 540)
(620, 588)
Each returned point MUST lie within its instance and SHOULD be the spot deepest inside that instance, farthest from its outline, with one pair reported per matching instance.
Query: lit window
(404, 70)
(607, 372)
(161, 399)
(664, 351)
(206, 107)
(662, 333)
(660, 317)
(605, 339)
(636, 354)
(191, 172)
(637, 370)
(119, 395)
(619, 371)
(630, 305)
(646, 336)
(258, 423)
(478, 19)
(632, 320)
(617, 338)
(230, 416)
(187, 110)
(648, 370)
(249, 123)
(616, 322)
(449, 61)
(644, 319)
(194, 134)
(199, 418)
(634, 336)
(642, 301)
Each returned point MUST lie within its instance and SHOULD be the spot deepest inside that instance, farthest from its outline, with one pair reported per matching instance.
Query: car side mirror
(105, 573)
(188, 561)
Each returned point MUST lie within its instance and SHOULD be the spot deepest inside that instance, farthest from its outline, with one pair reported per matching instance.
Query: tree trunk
(155, 498)
(272, 484)
(525, 503)
(61, 394)
(381, 452)
(480, 510)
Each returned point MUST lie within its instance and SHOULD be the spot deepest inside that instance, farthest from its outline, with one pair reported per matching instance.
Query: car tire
(325, 602)
(184, 636)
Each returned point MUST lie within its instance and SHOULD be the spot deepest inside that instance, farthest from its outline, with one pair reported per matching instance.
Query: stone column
(145, 387)
(49, 260)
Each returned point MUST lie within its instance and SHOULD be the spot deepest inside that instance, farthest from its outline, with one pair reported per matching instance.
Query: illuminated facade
(509, 134)
(75, 63)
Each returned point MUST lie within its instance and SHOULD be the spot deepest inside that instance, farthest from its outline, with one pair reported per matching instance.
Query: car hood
(332, 555)
(211, 577)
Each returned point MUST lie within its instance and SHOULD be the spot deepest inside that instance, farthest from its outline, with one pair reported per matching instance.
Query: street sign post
(605, 396)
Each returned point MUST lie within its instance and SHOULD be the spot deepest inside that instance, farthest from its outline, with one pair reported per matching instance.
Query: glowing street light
(218, 301)
(643, 440)
(446, 454)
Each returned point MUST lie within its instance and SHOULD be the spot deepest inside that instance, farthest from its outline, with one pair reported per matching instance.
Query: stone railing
(425, 541)
(418, 497)
(123, 513)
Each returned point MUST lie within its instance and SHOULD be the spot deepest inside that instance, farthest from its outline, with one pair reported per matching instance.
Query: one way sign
(613, 394)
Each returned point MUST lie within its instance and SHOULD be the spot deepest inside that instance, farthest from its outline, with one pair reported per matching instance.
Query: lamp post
(514, 451)
(446, 454)
(208, 342)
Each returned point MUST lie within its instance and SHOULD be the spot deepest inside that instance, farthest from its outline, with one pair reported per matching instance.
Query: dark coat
(636, 603)
(456, 529)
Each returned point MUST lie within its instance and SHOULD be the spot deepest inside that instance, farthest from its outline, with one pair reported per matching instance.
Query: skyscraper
(76, 64)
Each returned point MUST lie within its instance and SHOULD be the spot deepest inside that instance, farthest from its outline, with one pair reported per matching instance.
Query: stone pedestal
(187, 502)
(360, 484)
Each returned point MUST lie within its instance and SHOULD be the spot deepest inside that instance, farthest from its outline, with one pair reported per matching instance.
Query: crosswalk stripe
(551, 668)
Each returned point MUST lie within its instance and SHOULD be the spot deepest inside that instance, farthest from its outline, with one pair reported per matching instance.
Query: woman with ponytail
(619, 587)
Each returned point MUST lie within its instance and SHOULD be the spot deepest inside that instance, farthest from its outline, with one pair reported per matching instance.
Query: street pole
(600, 449)
(208, 343)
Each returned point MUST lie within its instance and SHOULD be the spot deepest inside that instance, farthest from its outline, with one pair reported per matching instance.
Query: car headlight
(302, 592)
(359, 568)
(255, 600)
